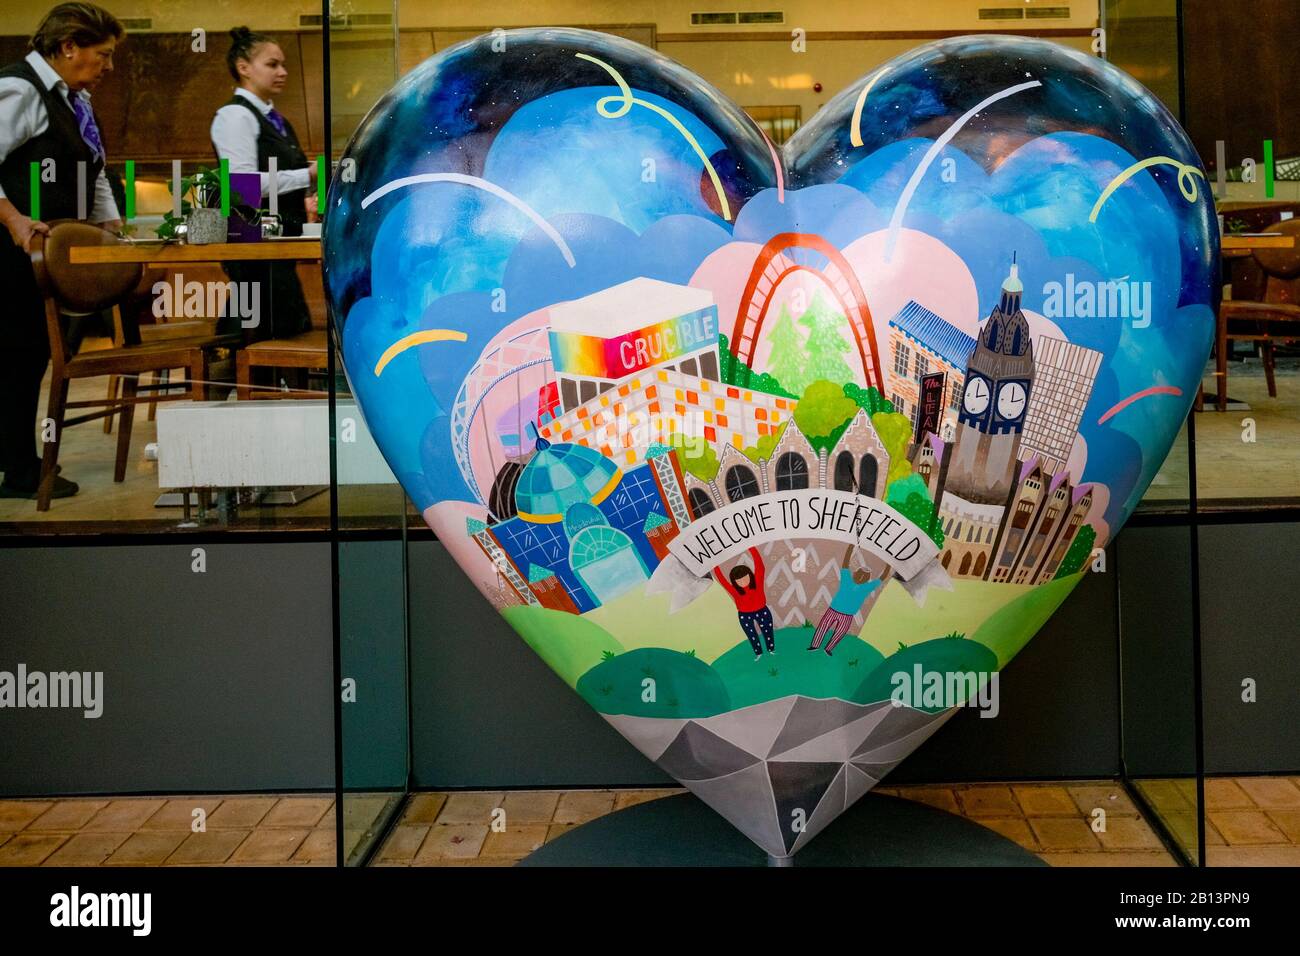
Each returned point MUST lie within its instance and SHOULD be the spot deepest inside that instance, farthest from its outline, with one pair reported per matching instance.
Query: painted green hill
(570, 645)
(797, 669)
(942, 655)
(655, 682)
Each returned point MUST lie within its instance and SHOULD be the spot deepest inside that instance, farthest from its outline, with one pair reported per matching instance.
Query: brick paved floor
(1052, 820)
(1251, 821)
(270, 829)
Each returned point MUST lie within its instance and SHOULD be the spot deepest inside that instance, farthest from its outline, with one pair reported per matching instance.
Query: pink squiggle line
(1125, 403)
(776, 164)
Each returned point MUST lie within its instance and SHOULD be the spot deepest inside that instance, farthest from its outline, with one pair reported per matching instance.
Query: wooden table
(162, 254)
(1238, 247)
(159, 254)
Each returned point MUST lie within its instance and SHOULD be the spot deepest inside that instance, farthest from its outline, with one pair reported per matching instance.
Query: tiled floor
(158, 831)
(1251, 821)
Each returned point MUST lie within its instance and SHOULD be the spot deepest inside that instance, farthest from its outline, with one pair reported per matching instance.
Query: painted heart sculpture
(775, 456)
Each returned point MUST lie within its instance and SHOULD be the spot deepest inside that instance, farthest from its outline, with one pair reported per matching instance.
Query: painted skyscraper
(1063, 378)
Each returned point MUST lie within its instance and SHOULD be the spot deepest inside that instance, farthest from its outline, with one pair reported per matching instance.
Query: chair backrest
(1281, 267)
(1282, 263)
(81, 288)
(1269, 275)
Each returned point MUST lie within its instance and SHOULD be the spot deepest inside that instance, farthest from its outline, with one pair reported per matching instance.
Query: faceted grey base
(782, 770)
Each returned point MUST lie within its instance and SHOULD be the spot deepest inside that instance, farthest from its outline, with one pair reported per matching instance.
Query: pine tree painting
(788, 363)
(1079, 553)
(826, 344)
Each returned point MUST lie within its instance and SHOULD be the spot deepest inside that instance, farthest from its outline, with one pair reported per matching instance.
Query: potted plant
(203, 220)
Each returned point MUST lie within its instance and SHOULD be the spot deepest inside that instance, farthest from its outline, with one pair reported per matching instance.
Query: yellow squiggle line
(414, 339)
(855, 129)
(626, 101)
(1186, 184)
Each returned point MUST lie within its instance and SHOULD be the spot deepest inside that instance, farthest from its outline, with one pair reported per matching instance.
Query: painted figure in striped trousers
(855, 587)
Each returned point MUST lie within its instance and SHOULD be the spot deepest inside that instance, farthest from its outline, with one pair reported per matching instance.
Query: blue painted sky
(1027, 175)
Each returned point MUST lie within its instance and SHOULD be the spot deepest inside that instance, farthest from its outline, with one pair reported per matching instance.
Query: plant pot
(205, 226)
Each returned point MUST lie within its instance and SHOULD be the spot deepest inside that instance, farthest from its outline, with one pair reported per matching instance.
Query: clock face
(1011, 400)
(977, 396)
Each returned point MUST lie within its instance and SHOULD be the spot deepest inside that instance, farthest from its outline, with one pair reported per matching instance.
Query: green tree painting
(695, 455)
(868, 398)
(826, 344)
(823, 408)
(1079, 553)
(789, 358)
(730, 369)
(895, 431)
(733, 371)
(913, 501)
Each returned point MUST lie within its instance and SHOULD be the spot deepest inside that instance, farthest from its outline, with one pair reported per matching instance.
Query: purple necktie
(86, 123)
(277, 121)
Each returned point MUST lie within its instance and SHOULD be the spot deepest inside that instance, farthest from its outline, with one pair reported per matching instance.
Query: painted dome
(582, 515)
(560, 476)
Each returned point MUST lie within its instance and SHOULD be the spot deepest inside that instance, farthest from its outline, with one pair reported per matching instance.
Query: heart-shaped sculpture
(776, 456)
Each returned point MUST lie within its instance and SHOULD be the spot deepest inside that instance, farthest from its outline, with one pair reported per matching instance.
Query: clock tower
(999, 375)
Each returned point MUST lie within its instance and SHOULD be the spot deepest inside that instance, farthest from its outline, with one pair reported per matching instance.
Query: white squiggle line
(896, 221)
(486, 186)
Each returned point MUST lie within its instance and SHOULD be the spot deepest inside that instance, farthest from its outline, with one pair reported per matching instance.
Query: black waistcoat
(60, 142)
(289, 155)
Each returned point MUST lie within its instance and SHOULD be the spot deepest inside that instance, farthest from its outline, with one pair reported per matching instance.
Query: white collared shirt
(234, 134)
(23, 117)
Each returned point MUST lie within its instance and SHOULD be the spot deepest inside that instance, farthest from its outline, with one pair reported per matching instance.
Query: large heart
(776, 456)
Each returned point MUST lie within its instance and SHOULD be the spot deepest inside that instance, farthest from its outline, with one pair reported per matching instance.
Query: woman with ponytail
(248, 131)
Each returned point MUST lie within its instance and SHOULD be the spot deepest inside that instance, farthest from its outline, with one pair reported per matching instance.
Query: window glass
(205, 362)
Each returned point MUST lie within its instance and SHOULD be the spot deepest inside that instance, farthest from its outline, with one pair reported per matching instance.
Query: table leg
(1221, 361)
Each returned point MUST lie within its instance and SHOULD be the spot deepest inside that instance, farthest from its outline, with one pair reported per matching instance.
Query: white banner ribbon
(841, 516)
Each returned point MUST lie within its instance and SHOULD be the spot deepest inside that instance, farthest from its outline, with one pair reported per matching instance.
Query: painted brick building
(921, 343)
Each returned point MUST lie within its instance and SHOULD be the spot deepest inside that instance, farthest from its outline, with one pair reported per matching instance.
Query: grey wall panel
(372, 619)
(1157, 663)
(222, 681)
(488, 713)
(1250, 629)
(1059, 712)
(216, 681)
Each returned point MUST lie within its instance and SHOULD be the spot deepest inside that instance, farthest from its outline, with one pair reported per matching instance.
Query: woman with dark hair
(45, 118)
(745, 585)
(248, 131)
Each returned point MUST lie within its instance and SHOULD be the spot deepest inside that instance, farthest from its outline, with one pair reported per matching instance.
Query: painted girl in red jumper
(746, 588)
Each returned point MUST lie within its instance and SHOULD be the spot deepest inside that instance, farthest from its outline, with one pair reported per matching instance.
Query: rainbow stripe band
(576, 353)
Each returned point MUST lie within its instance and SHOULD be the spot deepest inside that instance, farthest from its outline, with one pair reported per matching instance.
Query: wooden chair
(306, 351)
(1264, 308)
(157, 332)
(93, 288)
